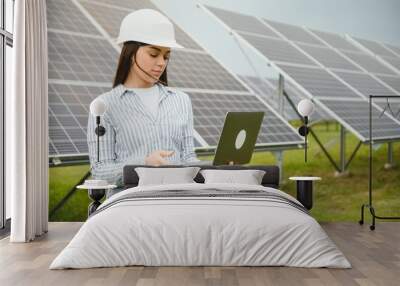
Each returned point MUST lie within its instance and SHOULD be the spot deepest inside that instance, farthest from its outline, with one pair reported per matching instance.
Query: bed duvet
(201, 225)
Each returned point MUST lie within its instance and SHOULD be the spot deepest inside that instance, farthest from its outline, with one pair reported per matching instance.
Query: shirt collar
(121, 90)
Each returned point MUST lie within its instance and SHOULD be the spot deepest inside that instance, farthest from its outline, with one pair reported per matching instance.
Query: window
(6, 43)
(9, 18)
(8, 73)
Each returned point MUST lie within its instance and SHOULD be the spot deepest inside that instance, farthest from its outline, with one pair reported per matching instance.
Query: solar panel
(390, 106)
(267, 88)
(369, 63)
(269, 92)
(68, 117)
(80, 58)
(394, 48)
(82, 63)
(61, 15)
(52, 149)
(261, 86)
(294, 33)
(57, 133)
(365, 83)
(375, 47)
(395, 62)
(200, 70)
(212, 108)
(382, 52)
(392, 81)
(129, 4)
(59, 139)
(295, 93)
(244, 23)
(329, 58)
(277, 50)
(110, 17)
(336, 41)
(185, 40)
(319, 82)
(65, 147)
(356, 115)
(197, 144)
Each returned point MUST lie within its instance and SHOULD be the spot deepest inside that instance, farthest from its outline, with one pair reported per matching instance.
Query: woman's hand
(156, 158)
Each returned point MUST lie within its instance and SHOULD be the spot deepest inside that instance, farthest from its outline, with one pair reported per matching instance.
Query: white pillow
(165, 176)
(248, 177)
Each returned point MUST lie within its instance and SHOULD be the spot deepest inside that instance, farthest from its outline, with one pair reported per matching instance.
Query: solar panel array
(82, 63)
(327, 67)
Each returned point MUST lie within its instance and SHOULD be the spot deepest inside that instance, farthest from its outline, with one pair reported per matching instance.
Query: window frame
(6, 39)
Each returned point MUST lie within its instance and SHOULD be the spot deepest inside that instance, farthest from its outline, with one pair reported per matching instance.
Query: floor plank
(375, 257)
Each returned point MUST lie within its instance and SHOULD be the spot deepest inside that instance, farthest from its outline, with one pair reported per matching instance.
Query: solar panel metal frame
(301, 88)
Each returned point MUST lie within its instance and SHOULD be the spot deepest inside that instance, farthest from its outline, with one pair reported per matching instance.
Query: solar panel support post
(389, 164)
(343, 164)
(324, 150)
(369, 205)
(353, 154)
(281, 98)
(279, 163)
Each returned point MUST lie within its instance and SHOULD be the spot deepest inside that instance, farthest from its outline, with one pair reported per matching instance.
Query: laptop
(238, 138)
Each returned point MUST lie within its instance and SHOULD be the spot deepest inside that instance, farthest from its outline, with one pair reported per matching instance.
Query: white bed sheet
(200, 231)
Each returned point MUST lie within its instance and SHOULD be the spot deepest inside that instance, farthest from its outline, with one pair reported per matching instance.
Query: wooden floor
(375, 257)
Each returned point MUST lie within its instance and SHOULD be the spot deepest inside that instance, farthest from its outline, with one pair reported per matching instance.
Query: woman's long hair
(129, 49)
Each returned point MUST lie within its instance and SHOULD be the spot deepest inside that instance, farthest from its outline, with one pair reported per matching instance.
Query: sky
(377, 20)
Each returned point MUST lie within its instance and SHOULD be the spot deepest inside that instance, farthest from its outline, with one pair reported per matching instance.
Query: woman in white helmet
(146, 122)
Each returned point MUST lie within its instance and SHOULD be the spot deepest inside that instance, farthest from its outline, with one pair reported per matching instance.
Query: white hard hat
(148, 26)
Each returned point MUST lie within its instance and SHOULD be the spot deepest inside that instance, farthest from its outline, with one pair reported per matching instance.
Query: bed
(198, 224)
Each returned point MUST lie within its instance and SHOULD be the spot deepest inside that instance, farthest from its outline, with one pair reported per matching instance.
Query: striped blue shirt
(132, 133)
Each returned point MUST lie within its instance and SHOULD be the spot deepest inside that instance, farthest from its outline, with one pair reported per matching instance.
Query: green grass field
(335, 198)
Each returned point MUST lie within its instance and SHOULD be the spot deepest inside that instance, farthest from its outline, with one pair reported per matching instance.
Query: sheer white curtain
(27, 123)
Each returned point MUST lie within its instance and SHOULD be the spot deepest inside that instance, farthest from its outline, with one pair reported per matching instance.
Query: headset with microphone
(150, 75)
